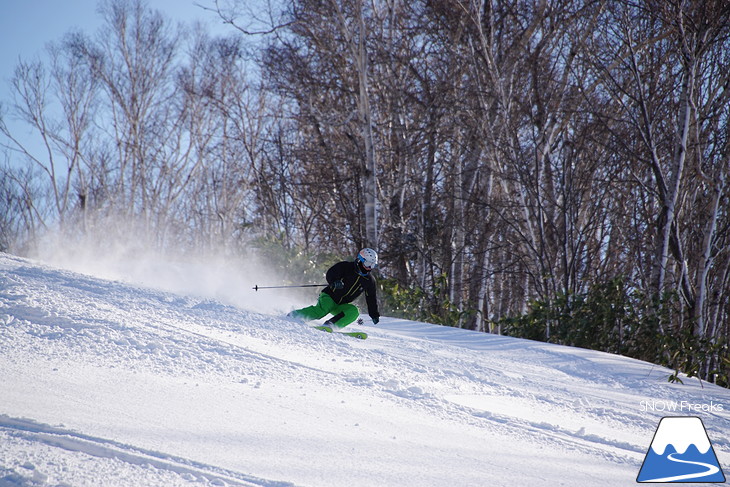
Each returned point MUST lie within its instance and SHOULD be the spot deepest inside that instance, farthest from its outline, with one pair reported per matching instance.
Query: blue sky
(27, 26)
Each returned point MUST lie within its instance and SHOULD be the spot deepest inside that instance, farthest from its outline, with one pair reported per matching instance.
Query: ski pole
(257, 287)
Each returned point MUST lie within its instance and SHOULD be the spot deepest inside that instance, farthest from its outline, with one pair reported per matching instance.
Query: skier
(346, 281)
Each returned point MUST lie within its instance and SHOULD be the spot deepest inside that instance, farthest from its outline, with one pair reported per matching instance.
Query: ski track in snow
(170, 467)
(107, 380)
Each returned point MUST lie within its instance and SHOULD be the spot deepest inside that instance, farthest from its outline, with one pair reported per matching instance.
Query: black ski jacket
(354, 285)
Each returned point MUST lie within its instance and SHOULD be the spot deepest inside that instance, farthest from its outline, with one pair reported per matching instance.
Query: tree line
(551, 169)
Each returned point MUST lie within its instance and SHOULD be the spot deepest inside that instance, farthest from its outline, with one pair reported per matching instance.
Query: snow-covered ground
(106, 383)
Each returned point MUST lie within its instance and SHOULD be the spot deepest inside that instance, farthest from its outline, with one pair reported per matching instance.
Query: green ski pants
(326, 305)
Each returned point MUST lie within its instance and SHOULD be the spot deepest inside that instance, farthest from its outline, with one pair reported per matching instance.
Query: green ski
(356, 334)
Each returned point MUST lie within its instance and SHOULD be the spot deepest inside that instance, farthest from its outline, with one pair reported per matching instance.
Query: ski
(356, 334)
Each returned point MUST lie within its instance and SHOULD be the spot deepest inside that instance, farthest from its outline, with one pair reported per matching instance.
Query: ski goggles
(361, 261)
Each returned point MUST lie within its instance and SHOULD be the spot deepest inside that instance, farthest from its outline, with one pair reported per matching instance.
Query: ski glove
(375, 320)
(338, 284)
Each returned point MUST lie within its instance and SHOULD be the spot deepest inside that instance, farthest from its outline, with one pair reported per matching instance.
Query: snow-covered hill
(104, 383)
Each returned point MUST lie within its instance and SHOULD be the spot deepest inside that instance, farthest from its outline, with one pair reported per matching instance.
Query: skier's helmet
(367, 259)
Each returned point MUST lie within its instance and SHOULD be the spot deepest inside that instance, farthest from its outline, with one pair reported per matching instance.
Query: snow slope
(104, 383)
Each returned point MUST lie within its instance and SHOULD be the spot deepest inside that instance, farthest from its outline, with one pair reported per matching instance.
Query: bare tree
(670, 82)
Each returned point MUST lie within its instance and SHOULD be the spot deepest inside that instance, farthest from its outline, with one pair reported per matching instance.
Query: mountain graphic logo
(680, 452)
